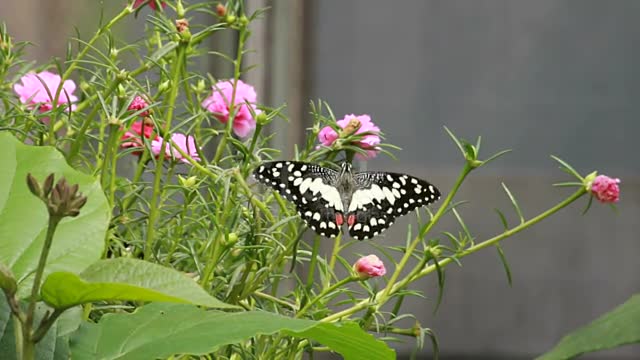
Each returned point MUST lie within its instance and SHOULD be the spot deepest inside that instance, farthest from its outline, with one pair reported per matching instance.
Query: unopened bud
(33, 185)
(221, 10)
(230, 19)
(262, 119)
(7, 281)
(232, 239)
(48, 185)
(189, 182)
(201, 86)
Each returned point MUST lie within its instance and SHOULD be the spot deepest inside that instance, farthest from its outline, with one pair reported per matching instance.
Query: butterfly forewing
(310, 188)
(380, 197)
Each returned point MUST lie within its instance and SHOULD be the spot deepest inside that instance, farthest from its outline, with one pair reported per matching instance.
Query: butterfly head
(345, 168)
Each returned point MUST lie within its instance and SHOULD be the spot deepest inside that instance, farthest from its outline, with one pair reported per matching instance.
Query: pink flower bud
(369, 266)
(138, 104)
(605, 189)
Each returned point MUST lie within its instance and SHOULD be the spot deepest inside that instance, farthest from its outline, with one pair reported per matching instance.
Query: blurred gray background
(540, 77)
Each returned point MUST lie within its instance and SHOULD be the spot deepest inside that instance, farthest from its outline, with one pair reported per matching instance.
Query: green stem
(410, 249)
(154, 210)
(44, 254)
(494, 240)
(335, 252)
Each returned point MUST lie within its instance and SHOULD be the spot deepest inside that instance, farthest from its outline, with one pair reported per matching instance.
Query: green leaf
(53, 346)
(125, 279)
(618, 327)
(513, 202)
(161, 330)
(78, 241)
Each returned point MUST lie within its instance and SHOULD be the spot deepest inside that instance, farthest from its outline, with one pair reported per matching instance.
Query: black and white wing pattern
(311, 188)
(380, 197)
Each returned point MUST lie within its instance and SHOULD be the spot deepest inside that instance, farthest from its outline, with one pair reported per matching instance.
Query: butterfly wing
(310, 188)
(381, 197)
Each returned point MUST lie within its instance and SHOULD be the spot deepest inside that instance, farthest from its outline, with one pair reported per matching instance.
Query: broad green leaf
(618, 327)
(125, 279)
(161, 330)
(54, 345)
(78, 241)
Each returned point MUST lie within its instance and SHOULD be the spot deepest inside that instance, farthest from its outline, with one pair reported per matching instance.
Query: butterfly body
(367, 202)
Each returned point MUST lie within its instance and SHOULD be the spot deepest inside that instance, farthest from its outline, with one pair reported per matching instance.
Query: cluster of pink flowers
(40, 90)
(133, 137)
(369, 266)
(605, 189)
(219, 104)
(350, 125)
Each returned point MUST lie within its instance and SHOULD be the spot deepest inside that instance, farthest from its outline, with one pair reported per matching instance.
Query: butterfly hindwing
(310, 188)
(380, 197)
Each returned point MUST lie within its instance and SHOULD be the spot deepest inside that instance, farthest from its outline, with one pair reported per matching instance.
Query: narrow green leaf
(566, 167)
(588, 205)
(161, 330)
(503, 258)
(125, 279)
(568, 184)
(618, 327)
(455, 140)
(503, 219)
(462, 225)
(514, 202)
(495, 156)
(440, 284)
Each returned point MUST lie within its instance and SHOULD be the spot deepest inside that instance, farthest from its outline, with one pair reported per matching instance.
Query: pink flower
(132, 138)
(186, 143)
(219, 104)
(138, 104)
(606, 189)
(35, 90)
(151, 3)
(369, 266)
(352, 124)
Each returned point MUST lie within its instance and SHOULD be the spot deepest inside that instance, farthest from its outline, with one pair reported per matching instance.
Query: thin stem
(575, 196)
(51, 229)
(409, 251)
(335, 252)
(401, 284)
(157, 191)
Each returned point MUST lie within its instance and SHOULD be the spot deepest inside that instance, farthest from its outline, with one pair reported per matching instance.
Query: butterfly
(368, 201)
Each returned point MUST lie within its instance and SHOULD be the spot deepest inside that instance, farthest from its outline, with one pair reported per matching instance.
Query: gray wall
(541, 77)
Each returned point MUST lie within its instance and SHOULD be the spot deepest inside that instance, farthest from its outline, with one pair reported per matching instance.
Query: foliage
(621, 326)
(79, 257)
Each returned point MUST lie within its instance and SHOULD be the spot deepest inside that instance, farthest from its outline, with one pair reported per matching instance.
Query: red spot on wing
(351, 219)
(339, 219)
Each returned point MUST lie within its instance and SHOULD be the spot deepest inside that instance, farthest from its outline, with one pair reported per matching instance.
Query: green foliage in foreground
(621, 326)
(160, 330)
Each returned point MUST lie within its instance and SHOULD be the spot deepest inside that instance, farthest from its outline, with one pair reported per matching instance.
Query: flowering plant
(187, 226)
